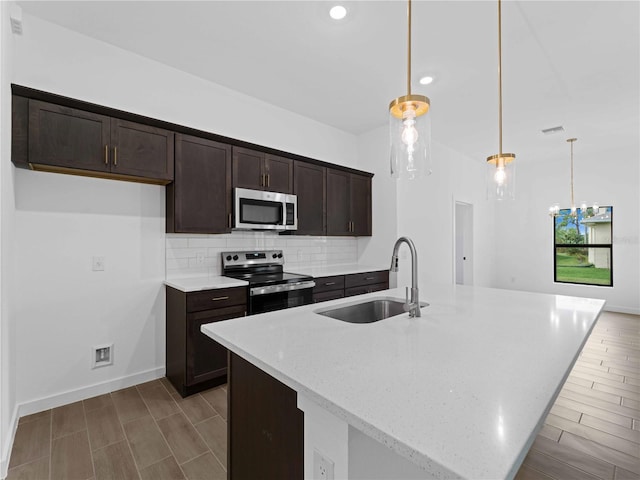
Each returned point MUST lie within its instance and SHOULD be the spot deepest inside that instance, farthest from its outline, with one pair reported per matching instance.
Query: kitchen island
(457, 393)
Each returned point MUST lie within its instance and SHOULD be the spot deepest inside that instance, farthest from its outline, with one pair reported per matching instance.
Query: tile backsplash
(196, 255)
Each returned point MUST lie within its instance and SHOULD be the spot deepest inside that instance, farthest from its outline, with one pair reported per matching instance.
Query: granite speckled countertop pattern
(460, 391)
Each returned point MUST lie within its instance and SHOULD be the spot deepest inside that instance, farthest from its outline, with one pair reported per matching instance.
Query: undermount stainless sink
(368, 311)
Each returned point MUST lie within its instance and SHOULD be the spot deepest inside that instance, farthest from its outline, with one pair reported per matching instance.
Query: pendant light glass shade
(410, 127)
(410, 136)
(501, 177)
(501, 168)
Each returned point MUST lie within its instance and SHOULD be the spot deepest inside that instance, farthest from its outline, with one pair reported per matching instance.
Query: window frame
(583, 245)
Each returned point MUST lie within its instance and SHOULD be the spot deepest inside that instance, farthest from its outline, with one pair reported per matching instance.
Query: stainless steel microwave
(258, 210)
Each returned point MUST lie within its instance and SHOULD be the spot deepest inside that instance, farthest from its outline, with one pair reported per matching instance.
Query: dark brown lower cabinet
(328, 288)
(266, 428)
(195, 362)
(360, 283)
(339, 286)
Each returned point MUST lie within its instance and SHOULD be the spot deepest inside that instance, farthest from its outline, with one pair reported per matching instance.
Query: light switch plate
(97, 264)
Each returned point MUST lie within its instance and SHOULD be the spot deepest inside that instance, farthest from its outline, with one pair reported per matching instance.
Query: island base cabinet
(266, 428)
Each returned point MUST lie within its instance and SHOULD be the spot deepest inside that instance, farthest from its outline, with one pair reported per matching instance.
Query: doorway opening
(463, 237)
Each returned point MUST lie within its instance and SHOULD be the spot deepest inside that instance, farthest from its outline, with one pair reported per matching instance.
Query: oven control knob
(275, 255)
(279, 255)
(228, 257)
(235, 257)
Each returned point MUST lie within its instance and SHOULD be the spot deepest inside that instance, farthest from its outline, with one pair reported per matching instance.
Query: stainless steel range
(270, 288)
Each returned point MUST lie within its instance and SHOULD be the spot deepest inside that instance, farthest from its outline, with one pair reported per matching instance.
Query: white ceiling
(570, 63)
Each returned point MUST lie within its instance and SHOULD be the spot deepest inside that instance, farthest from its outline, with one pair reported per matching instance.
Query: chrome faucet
(412, 307)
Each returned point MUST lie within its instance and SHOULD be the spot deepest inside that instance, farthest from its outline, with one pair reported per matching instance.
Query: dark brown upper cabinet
(309, 184)
(199, 199)
(348, 204)
(360, 200)
(262, 171)
(68, 140)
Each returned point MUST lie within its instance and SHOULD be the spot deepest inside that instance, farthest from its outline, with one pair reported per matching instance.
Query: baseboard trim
(70, 396)
(618, 309)
(83, 393)
(8, 445)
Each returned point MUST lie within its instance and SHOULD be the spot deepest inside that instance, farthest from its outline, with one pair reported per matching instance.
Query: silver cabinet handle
(330, 283)
(370, 278)
(214, 299)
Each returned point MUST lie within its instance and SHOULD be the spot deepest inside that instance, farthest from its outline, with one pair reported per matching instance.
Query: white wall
(423, 210)
(373, 155)
(525, 261)
(62, 307)
(7, 344)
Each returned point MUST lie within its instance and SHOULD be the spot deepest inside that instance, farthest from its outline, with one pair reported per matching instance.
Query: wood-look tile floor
(150, 432)
(146, 432)
(593, 429)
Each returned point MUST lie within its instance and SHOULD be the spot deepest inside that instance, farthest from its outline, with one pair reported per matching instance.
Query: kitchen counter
(460, 392)
(331, 270)
(196, 284)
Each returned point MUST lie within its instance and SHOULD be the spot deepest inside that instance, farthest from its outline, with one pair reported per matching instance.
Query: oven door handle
(284, 287)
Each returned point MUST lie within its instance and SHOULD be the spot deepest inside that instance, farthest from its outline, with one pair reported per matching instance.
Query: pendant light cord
(571, 140)
(500, 72)
(409, 48)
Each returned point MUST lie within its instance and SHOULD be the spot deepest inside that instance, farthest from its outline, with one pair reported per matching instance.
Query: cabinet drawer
(217, 298)
(368, 278)
(325, 284)
(326, 296)
(349, 292)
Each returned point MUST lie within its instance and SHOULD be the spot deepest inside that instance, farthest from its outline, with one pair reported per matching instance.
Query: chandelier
(554, 210)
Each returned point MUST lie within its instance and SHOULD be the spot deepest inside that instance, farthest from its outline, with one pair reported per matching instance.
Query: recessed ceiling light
(426, 80)
(338, 12)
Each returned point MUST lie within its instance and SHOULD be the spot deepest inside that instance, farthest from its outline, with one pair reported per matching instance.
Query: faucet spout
(413, 306)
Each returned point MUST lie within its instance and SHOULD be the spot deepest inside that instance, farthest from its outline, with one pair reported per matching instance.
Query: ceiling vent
(552, 130)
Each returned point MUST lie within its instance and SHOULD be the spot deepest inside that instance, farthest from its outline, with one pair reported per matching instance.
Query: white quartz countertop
(196, 284)
(331, 270)
(460, 391)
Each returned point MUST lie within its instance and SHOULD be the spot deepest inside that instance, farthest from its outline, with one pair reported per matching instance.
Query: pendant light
(410, 127)
(501, 168)
(554, 210)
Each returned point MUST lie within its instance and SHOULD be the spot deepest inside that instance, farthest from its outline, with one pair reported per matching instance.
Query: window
(583, 246)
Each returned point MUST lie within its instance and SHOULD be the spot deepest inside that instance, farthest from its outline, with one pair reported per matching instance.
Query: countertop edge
(424, 462)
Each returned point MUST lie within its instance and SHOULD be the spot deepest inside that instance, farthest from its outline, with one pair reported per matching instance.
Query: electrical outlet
(97, 264)
(200, 258)
(322, 467)
(102, 355)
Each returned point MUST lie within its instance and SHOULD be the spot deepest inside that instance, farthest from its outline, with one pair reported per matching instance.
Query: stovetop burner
(259, 268)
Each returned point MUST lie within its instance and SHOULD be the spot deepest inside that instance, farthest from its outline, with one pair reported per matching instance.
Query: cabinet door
(206, 358)
(310, 187)
(338, 208)
(279, 174)
(199, 200)
(141, 150)
(360, 199)
(248, 169)
(66, 137)
(266, 429)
